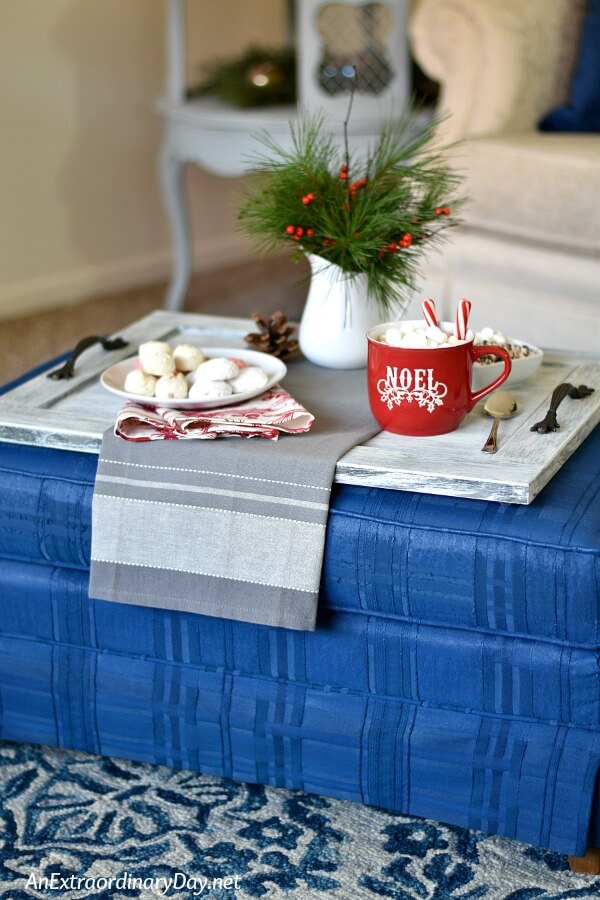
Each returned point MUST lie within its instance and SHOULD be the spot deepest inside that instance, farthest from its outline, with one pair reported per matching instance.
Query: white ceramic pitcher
(336, 317)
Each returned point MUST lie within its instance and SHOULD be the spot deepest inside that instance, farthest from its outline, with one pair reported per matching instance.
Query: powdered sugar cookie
(139, 382)
(172, 387)
(251, 378)
(187, 357)
(210, 390)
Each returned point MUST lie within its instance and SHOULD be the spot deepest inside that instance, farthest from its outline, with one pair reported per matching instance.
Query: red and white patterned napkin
(267, 416)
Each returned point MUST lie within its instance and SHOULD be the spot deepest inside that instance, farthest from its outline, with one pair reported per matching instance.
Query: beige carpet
(259, 286)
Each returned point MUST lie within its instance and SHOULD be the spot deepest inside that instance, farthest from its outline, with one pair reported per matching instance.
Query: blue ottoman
(454, 673)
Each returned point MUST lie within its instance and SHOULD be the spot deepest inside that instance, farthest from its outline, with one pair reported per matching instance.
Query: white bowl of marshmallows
(188, 377)
(525, 359)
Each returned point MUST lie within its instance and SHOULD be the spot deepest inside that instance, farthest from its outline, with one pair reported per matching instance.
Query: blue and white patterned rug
(80, 826)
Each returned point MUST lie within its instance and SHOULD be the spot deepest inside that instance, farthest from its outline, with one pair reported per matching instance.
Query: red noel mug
(425, 391)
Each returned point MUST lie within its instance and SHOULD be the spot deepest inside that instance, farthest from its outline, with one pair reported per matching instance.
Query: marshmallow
(140, 383)
(187, 357)
(393, 336)
(489, 336)
(218, 369)
(172, 387)
(251, 378)
(486, 334)
(157, 358)
(436, 335)
(210, 390)
(415, 341)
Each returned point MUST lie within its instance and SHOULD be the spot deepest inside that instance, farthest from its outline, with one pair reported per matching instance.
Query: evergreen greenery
(374, 214)
(261, 76)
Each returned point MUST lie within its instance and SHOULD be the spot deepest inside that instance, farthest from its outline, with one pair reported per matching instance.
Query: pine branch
(379, 224)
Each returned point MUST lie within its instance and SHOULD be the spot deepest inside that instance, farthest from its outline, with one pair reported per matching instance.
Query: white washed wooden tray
(73, 415)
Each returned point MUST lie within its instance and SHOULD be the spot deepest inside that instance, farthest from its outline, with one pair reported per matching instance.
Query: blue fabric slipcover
(351, 653)
(454, 672)
(273, 706)
(466, 563)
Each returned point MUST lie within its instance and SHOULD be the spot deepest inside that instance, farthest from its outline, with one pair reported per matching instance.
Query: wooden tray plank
(376, 467)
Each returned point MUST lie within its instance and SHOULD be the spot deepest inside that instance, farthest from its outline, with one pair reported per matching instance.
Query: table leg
(171, 173)
(588, 864)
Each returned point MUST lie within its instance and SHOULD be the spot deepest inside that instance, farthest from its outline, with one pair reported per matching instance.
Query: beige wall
(80, 211)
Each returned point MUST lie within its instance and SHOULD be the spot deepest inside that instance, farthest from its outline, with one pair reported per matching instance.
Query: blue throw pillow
(583, 111)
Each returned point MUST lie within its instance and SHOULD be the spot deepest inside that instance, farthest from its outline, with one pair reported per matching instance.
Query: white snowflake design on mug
(405, 385)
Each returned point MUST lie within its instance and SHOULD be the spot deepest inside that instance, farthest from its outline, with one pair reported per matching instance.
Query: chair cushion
(582, 113)
(533, 186)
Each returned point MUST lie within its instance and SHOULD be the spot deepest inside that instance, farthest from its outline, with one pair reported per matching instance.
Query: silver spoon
(501, 405)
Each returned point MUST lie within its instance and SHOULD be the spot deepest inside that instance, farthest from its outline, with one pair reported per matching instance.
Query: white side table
(222, 139)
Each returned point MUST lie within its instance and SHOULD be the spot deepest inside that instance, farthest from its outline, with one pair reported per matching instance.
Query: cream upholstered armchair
(528, 253)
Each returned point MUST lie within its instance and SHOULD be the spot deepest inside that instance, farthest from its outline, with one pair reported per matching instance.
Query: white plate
(521, 369)
(113, 380)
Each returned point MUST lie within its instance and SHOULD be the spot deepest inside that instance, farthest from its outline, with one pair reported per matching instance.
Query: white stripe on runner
(207, 509)
(117, 462)
(229, 543)
(197, 489)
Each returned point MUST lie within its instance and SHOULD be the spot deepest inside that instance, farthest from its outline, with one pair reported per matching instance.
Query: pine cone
(274, 336)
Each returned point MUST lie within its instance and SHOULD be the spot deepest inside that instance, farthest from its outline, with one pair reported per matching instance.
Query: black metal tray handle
(68, 369)
(550, 422)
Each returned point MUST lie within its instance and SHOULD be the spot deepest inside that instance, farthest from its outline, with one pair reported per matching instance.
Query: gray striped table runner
(230, 527)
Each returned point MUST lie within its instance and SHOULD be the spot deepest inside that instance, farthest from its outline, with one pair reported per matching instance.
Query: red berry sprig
(355, 186)
(308, 199)
(442, 210)
(402, 243)
(344, 173)
(296, 232)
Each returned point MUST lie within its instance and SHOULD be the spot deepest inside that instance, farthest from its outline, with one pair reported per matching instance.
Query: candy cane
(429, 312)
(462, 319)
